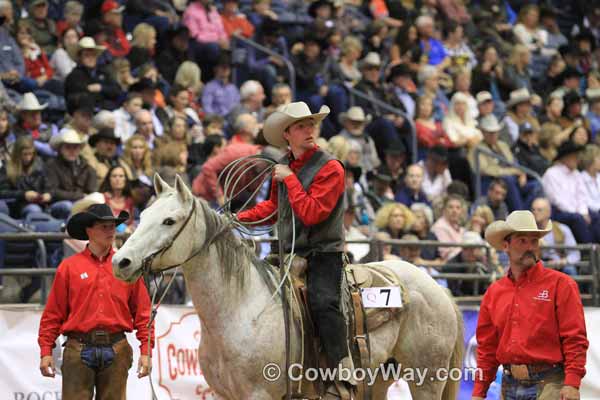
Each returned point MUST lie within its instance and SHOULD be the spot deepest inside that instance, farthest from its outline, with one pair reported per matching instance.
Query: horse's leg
(428, 390)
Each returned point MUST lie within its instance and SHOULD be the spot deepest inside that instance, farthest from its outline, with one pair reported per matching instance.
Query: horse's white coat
(238, 340)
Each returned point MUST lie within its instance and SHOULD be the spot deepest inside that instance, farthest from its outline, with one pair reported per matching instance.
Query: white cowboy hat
(285, 116)
(354, 114)
(490, 124)
(518, 96)
(67, 136)
(371, 59)
(29, 102)
(518, 221)
(88, 43)
(592, 95)
(483, 96)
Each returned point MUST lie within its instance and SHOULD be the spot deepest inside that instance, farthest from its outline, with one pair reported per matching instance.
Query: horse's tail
(456, 359)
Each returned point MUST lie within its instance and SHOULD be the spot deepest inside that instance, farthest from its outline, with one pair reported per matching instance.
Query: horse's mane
(235, 255)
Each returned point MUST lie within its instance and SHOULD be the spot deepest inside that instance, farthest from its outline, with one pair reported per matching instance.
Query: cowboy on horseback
(310, 183)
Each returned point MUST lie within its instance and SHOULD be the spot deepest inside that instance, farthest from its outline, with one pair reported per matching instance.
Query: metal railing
(482, 150)
(288, 64)
(481, 277)
(393, 110)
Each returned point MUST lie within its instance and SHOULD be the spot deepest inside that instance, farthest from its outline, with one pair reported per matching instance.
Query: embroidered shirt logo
(544, 295)
(84, 275)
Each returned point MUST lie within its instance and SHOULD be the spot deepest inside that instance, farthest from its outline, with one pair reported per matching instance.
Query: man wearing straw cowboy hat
(89, 79)
(310, 183)
(530, 321)
(93, 310)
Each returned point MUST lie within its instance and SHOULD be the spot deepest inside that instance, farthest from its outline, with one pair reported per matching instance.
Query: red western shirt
(86, 296)
(537, 319)
(312, 206)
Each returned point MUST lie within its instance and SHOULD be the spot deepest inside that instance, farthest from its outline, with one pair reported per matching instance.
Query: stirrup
(340, 391)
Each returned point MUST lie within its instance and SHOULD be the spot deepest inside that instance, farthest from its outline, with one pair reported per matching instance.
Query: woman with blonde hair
(138, 157)
(480, 219)
(459, 124)
(189, 76)
(339, 147)
(517, 70)
(346, 69)
(395, 219)
(178, 132)
(143, 45)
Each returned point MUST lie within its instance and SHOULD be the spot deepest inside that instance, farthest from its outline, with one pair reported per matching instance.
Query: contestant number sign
(382, 297)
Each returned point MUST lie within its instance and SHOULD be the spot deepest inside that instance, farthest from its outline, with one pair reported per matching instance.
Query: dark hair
(210, 142)
(105, 186)
(458, 188)
(456, 197)
(498, 182)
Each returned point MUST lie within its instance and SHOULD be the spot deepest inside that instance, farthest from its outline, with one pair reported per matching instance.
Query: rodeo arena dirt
(300, 199)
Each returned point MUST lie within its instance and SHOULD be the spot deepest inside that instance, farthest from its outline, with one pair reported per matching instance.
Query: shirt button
(517, 305)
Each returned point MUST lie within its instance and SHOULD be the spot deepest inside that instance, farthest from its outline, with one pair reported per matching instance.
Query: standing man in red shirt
(530, 321)
(309, 183)
(93, 310)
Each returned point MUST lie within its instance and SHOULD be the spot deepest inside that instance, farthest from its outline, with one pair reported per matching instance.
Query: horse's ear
(182, 189)
(159, 184)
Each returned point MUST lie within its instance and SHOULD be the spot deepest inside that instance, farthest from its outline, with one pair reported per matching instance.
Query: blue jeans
(97, 357)
(61, 209)
(543, 386)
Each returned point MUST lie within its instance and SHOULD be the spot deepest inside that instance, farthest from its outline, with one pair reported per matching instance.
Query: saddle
(359, 320)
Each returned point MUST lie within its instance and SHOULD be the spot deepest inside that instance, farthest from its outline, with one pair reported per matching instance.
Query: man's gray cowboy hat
(521, 221)
(490, 124)
(96, 212)
(518, 96)
(88, 43)
(356, 114)
(287, 115)
(66, 136)
(30, 102)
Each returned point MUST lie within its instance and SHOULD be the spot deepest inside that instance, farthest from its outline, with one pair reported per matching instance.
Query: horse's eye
(169, 221)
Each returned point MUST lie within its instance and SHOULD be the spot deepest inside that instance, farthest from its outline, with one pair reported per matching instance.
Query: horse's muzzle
(124, 263)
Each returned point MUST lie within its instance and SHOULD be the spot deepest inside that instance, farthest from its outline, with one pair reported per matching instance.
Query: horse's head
(166, 236)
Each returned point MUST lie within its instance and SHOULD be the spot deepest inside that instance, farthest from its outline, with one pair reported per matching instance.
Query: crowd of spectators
(98, 95)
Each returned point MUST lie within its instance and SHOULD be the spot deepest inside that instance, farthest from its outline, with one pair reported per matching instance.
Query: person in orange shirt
(531, 321)
(93, 309)
(234, 21)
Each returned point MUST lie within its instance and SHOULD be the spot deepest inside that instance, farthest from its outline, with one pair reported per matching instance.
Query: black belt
(96, 337)
(532, 368)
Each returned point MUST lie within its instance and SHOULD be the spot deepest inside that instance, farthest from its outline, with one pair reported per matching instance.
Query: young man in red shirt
(309, 183)
(93, 309)
(531, 321)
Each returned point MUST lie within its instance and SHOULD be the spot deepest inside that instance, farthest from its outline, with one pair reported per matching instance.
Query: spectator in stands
(456, 47)
(380, 189)
(412, 254)
(395, 219)
(462, 84)
(565, 188)
(189, 76)
(252, 96)
(23, 179)
(527, 150)
(143, 45)
(429, 80)
(592, 118)
(436, 176)
(145, 128)
(117, 194)
(555, 38)
(245, 129)
(220, 95)
(354, 122)
(579, 135)
(459, 124)
(519, 106)
(102, 120)
(43, 28)
(422, 229)
(481, 217)
(495, 199)
(171, 160)
(560, 235)
(431, 47)
(394, 160)
(69, 175)
(105, 144)
(12, 65)
(178, 132)
(449, 228)
(280, 96)
(116, 42)
(346, 68)
(371, 84)
(235, 22)
(73, 11)
(261, 14)
(572, 111)
(517, 72)
(179, 101)
(474, 261)
(590, 168)
(212, 146)
(7, 137)
(402, 90)
(489, 76)
(174, 53)
(312, 67)
(208, 34)
(149, 90)
(85, 357)
(412, 190)
(63, 60)
(90, 79)
(430, 132)
(37, 66)
(530, 33)
(138, 157)
(125, 116)
(485, 105)
(29, 123)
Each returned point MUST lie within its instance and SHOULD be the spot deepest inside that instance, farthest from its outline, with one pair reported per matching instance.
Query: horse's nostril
(124, 263)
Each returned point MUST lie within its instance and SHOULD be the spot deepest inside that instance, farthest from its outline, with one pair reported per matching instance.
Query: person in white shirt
(590, 165)
(436, 177)
(563, 260)
(566, 191)
(125, 125)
